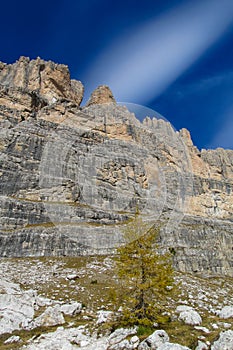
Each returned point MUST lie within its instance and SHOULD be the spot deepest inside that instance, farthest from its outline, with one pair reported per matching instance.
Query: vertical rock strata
(71, 177)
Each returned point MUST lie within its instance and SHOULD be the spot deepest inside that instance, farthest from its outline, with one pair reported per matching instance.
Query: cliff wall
(71, 177)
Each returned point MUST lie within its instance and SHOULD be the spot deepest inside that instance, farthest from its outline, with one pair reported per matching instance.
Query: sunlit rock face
(72, 177)
(26, 85)
(101, 95)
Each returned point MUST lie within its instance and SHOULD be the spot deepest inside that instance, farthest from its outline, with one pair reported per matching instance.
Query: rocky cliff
(72, 176)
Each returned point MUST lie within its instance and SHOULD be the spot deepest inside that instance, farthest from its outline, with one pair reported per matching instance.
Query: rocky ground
(64, 303)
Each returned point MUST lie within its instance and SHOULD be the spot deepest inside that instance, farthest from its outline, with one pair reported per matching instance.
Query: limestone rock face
(26, 85)
(101, 95)
(226, 312)
(16, 307)
(71, 177)
(225, 341)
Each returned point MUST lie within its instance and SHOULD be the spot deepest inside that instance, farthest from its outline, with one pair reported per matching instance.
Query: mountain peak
(101, 95)
(49, 80)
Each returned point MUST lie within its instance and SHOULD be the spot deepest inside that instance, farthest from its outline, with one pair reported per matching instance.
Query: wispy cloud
(220, 83)
(141, 65)
(222, 80)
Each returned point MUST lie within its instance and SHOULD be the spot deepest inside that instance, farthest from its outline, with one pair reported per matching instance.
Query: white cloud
(223, 79)
(141, 65)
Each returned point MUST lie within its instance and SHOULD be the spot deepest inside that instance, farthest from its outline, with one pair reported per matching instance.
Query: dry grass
(96, 278)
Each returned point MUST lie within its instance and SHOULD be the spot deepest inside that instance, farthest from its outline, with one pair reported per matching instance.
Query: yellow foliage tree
(145, 275)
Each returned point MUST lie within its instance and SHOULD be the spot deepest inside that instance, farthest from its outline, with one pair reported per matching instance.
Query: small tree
(145, 276)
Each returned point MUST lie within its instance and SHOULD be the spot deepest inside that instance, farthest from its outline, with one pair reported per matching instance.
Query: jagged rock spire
(49, 80)
(102, 94)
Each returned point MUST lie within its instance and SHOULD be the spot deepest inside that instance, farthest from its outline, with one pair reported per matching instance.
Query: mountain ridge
(72, 176)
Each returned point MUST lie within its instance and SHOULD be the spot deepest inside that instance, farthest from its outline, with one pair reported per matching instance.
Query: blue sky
(174, 56)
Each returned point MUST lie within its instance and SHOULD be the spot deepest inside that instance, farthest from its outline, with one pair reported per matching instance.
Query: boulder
(182, 308)
(191, 317)
(7, 287)
(103, 316)
(16, 311)
(13, 339)
(226, 312)
(67, 339)
(201, 346)
(124, 344)
(134, 341)
(71, 309)
(172, 346)
(188, 315)
(203, 329)
(156, 339)
(224, 342)
(42, 301)
(52, 316)
(120, 334)
(72, 276)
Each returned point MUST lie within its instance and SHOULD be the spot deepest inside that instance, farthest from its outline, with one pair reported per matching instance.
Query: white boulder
(52, 316)
(9, 287)
(123, 345)
(226, 325)
(134, 341)
(103, 316)
(67, 339)
(42, 301)
(120, 334)
(16, 311)
(191, 317)
(13, 339)
(224, 342)
(50, 344)
(71, 309)
(72, 276)
(143, 346)
(172, 346)
(188, 315)
(201, 346)
(203, 329)
(117, 340)
(182, 308)
(226, 312)
(154, 340)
